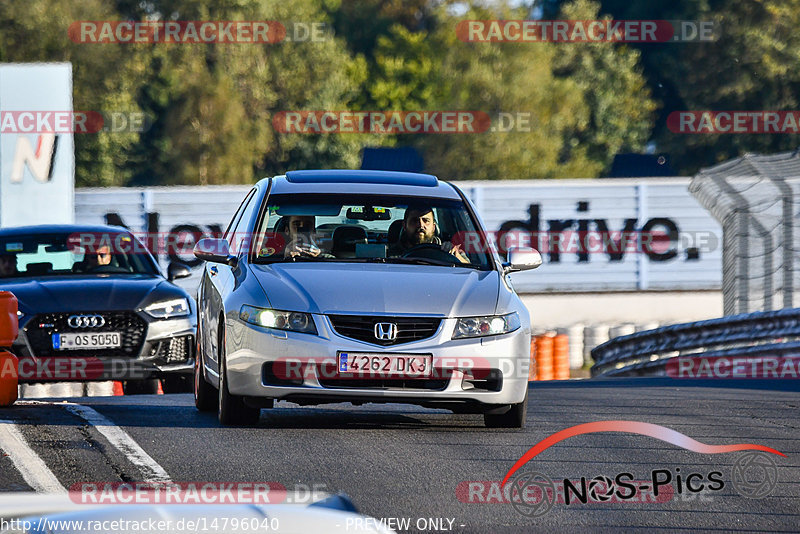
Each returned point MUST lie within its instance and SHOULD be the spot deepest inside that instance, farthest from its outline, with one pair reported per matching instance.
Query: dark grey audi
(94, 305)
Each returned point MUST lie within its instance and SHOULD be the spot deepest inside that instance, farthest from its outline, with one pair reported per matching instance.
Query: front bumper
(168, 348)
(479, 371)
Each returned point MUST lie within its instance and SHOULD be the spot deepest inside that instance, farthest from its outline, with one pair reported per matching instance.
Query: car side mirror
(215, 251)
(522, 259)
(177, 270)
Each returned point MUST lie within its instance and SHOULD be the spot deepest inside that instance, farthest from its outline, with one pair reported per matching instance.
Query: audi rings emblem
(86, 321)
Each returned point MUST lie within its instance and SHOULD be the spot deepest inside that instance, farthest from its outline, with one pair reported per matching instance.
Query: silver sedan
(360, 286)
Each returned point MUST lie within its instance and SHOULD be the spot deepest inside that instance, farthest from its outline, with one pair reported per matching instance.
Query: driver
(8, 264)
(97, 258)
(419, 228)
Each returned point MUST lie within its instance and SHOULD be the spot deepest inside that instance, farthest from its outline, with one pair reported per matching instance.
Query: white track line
(153, 472)
(32, 468)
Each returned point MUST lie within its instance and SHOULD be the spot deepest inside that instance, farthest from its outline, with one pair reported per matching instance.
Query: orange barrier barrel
(561, 357)
(9, 373)
(544, 357)
(9, 365)
(532, 368)
(9, 324)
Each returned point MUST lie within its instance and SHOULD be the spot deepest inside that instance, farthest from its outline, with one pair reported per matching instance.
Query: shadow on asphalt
(149, 412)
(178, 411)
(667, 382)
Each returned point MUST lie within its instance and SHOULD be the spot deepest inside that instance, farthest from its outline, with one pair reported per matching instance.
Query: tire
(205, 395)
(140, 387)
(177, 384)
(231, 409)
(513, 418)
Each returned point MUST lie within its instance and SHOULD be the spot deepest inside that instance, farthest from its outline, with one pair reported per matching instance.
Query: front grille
(41, 328)
(406, 384)
(175, 349)
(362, 328)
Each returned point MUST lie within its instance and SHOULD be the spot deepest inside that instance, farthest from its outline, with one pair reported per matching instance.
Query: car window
(371, 228)
(238, 235)
(80, 253)
(237, 216)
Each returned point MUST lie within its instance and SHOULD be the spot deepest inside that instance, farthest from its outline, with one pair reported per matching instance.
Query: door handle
(213, 269)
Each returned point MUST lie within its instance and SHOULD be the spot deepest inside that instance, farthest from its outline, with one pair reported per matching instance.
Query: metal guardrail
(774, 333)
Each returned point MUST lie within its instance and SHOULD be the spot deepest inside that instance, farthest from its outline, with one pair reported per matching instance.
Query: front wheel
(513, 418)
(205, 396)
(231, 409)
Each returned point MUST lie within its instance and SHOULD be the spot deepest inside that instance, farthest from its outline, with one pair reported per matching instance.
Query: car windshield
(370, 228)
(73, 254)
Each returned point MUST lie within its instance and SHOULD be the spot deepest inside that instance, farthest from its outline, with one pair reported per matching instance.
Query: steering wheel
(112, 269)
(430, 251)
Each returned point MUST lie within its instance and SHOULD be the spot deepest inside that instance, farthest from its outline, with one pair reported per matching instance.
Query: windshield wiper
(428, 261)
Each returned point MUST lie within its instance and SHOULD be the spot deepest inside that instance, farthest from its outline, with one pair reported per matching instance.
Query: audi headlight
(489, 325)
(281, 320)
(168, 309)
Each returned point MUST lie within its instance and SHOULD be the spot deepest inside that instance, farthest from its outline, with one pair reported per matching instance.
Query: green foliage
(585, 102)
(751, 67)
(105, 77)
(210, 106)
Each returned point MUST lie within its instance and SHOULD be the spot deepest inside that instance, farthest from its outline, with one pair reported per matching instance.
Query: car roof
(47, 229)
(363, 182)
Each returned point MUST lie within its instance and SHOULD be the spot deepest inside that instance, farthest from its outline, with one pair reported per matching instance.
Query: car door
(216, 282)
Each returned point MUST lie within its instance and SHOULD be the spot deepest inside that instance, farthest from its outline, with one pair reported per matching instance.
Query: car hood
(86, 293)
(379, 289)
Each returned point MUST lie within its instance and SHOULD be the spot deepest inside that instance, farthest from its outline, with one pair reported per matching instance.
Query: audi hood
(89, 293)
(381, 289)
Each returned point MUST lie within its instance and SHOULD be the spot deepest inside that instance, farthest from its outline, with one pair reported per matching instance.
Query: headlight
(490, 325)
(168, 309)
(281, 320)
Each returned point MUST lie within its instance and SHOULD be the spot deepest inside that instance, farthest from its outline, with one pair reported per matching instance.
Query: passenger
(300, 238)
(419, 227)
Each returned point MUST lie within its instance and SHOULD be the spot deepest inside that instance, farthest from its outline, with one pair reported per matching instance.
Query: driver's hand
(300, 249)
(456, 251)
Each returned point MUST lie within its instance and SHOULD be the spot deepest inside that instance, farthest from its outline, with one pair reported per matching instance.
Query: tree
(105, 78)
(585, 102)
(214, 103)
(749, 67)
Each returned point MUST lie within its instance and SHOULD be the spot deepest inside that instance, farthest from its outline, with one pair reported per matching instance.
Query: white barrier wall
(688, 257)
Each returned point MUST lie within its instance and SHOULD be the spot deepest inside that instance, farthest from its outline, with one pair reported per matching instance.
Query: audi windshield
(73, 254)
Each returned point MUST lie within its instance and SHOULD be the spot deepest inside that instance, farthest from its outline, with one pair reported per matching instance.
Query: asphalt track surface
(405, 462)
